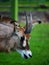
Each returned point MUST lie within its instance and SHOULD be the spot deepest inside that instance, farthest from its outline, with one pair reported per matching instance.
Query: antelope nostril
(25, 56)
(30, 55)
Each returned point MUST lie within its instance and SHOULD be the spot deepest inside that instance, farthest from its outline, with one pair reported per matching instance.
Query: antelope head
(24, 34)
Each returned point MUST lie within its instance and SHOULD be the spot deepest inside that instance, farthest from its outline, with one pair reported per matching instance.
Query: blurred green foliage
(4, 0)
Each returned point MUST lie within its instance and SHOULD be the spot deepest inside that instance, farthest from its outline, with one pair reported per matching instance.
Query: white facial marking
(24, 42)
(26, 52)
(22, 52)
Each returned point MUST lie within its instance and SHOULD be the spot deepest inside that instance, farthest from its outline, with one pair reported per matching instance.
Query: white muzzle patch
(25, 53)
(24, 43)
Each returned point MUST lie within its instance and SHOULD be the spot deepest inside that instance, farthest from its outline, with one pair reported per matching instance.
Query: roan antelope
(16, 39)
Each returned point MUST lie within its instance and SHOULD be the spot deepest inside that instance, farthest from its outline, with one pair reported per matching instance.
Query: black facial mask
(22, 38)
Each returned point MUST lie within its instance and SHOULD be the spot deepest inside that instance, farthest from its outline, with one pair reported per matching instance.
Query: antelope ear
(27, 36)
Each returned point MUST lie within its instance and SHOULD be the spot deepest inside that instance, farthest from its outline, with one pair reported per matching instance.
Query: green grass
(39, 45)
